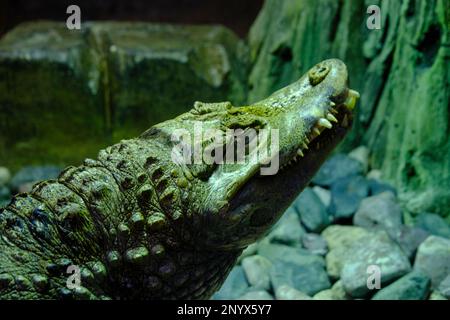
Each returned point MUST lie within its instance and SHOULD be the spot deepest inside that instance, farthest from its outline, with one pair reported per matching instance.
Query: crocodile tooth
(332, 103)
(354, 93)
(300, 152)
(307, 141)
(305, 146)
(345, 121)
(316, 131)
(331, 117)
(334, 110)
(325, 123)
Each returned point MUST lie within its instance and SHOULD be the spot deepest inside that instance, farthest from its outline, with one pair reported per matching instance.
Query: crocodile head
(286, 138)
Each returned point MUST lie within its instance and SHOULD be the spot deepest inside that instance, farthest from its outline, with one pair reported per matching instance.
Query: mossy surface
(401, 71)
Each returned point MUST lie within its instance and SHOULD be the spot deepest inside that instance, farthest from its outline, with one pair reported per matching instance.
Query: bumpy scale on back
(140, 226)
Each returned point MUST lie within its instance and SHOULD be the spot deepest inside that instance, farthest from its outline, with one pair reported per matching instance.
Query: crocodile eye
(318, 73)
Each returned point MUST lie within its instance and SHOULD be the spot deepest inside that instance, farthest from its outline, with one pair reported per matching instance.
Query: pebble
(413, 286)
(346, 195)
(256, 295)
(374, 174)
(361, 154)
(288, 230)
(257, 269)
(409, 239)
(337, 167)
(376, 249)
(433, 259)
(379, 212)
(376, 187)
(234, 286)
(323, 194)
(444, 287)
(312, 211)
(315, 243)
(285, 292)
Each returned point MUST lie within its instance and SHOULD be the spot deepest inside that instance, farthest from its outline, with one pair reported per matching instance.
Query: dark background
(238, 15)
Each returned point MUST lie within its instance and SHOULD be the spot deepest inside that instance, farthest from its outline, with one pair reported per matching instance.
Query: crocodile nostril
(318, 73)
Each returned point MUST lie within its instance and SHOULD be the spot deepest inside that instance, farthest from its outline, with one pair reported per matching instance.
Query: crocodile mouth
(336, 116)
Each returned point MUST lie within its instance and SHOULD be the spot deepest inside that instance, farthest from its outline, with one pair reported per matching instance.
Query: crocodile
(137, 223)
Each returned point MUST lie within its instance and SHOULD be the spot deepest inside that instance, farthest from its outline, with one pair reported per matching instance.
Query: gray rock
(324, 295)
(256, 295)
(5, 176)
(288, 230)
(249, 251)
(375, 249)
(32, 174)
(434, 224)
(444, 287)
(335, 168)
(376, 187)
(339, 239)
(309, 278)
(361, 154)
(323, 194)
(298, 256)
(285, 292)
(413, 286)
(374, 174)
(346, 195)
(234, 286)
(409, 239)
(379, 212)
(311, 210)
(315, 244)
(257, 270)
(435, 295)
(433, 258)
(338, 291)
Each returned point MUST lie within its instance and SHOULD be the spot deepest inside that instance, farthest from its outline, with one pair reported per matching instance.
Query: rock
(154, 72)
(338, 291)
(346, 195)
(285, 292)
(376, 187)
(374, 174)
(288, 230)
(379, 212)
(295, 267)
(309, 278)
(434, 224)
(256, 295)
(311, 210)
(433, 258)
(435, 295)
(324, 295)
(323, 194)
(336, 168)
(298, 256)
(249, 251)
(444, 287)
(361, 154)
(5, 176)
(315, 244)
(409, 239)
(257, 269)
(338, 236)
(376, 249)
(234, 286)
(31, 174)
(413, 286)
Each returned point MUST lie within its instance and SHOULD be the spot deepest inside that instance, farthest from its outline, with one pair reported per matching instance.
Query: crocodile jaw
(316, 115)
